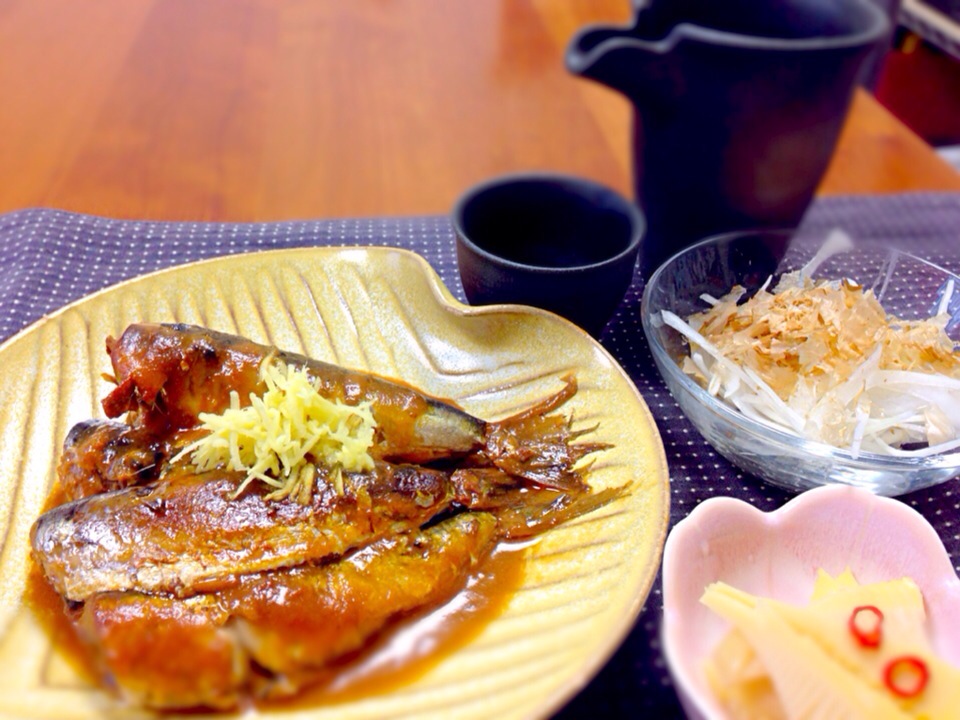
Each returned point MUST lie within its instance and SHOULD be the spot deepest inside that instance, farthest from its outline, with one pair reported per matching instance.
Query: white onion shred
(944, 299)
(837, 242)
(823, 360)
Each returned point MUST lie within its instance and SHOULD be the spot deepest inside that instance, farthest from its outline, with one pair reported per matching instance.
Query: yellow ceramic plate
(387, 311)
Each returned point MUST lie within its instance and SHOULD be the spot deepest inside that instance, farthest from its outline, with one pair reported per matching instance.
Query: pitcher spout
(611, 56)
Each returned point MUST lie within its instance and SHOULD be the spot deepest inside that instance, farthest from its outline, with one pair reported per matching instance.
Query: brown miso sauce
(48, 608)
(56, 498)
(412, 648)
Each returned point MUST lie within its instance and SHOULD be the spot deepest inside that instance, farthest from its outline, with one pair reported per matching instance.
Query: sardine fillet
(186, 533)
(169, 374)
(167, 652)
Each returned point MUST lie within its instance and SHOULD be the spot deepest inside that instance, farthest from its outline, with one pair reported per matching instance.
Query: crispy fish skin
(169, 374)
(187, 532)
(168, 653)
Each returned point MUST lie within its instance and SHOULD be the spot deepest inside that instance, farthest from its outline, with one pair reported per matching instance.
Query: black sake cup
(556, 242)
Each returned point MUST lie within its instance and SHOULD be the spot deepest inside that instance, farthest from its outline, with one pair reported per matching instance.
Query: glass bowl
(906, 286)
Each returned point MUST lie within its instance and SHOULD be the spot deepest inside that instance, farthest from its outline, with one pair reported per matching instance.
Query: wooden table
(270, 109)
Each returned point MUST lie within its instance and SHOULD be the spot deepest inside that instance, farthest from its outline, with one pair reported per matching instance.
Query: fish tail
(545, 509)
(539, 446)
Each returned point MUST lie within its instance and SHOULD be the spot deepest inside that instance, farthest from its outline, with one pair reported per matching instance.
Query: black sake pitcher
(738, 106)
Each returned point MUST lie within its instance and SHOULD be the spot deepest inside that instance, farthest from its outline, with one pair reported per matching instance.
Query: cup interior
(548, 222)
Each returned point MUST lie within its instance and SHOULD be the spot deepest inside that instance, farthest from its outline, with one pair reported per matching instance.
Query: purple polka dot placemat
(49, 258)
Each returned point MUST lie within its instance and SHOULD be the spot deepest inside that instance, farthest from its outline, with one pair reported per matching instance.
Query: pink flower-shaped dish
(777, 555)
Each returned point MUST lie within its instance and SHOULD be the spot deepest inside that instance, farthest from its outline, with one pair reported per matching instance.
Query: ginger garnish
(283, 434)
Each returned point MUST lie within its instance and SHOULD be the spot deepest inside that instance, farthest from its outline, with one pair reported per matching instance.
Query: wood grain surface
(270, 109)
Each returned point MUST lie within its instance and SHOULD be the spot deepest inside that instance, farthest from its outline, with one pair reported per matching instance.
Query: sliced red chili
(865, 625)
(906, 676)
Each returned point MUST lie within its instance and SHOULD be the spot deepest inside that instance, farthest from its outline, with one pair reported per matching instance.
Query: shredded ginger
(283, 434)
(825, 361)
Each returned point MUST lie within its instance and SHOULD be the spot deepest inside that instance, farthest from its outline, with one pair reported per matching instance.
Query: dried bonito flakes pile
(824, 360)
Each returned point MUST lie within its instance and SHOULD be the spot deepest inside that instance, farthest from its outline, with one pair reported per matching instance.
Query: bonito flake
(824, 360)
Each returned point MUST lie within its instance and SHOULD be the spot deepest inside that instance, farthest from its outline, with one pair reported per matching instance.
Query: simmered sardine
(187, 532)
(169, 374)
(246, 552)
(102, 455)
(168, 652)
